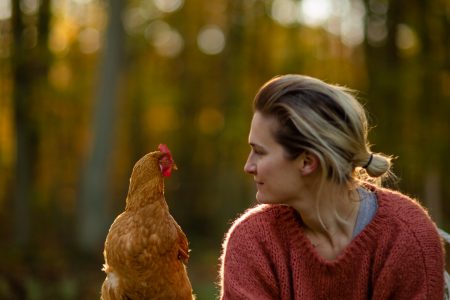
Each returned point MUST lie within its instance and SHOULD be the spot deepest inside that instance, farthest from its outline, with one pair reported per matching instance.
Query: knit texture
(398, 255)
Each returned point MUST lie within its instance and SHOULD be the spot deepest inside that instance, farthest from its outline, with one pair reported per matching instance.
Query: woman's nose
(250, 167)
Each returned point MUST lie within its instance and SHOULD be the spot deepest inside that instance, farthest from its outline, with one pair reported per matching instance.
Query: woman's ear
(308, 163)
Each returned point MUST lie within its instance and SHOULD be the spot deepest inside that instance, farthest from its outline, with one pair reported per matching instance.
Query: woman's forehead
(262, 128)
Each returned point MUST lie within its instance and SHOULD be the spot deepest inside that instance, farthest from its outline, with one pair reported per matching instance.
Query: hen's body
(145, 247)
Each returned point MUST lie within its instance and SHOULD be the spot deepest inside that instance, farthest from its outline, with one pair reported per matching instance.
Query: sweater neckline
(365, 239)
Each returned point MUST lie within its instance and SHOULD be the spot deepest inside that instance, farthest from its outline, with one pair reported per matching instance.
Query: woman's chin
(264, 199)
(260, 198)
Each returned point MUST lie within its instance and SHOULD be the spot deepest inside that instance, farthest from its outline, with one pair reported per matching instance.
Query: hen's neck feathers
(146, 194)
(146, 183)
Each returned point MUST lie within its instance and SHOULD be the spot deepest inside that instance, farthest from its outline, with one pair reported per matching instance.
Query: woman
(322, 231)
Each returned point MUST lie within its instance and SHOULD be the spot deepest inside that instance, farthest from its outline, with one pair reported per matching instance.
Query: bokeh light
(211, 40)
(89, 40)
(406, 40)
(352, 28)
(376, 31)
(5, 9)
(168, 6)
(167, 41)
(136, 18)
(284, 11)
(314, 12)
(29, 7)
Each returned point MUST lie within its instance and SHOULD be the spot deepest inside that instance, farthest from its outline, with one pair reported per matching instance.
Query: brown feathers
(146, 250)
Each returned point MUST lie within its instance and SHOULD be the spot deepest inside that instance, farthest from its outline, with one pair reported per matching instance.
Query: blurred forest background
(88, 86)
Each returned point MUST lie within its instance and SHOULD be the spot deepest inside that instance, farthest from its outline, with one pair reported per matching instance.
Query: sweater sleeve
(247, 270)
(414, 267)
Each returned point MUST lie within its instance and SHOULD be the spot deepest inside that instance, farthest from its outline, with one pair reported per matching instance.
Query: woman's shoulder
(258, 219)
(261, 214)
(399, 205)
(407, 238)
(407, 214)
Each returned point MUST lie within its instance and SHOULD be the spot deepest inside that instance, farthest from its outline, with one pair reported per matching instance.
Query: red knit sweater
(398, 255)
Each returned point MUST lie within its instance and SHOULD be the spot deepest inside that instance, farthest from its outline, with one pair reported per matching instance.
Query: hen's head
(149, 172)
(166, 163)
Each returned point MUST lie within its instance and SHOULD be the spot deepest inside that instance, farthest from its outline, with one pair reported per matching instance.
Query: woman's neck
(328, 212)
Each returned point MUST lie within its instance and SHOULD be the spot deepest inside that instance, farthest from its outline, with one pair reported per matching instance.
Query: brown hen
(146, 250)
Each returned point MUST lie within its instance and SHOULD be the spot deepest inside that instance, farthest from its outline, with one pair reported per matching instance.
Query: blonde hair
(325, 120)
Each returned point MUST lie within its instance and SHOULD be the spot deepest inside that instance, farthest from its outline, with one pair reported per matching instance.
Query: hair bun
(378, 164)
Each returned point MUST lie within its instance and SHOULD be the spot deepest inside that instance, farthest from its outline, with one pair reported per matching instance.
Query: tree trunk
(92, 217)
(29, 65)
(23, 168)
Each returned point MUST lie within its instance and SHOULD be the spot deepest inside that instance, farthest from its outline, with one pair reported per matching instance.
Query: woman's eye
(258, 152)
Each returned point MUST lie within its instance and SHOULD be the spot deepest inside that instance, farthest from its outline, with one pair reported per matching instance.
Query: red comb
(164, 149)
(166, 163)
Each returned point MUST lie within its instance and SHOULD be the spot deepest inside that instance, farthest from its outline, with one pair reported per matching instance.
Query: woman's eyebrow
(255, 145)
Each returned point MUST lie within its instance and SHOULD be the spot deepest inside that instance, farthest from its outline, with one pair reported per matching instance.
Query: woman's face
(278, 180)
